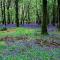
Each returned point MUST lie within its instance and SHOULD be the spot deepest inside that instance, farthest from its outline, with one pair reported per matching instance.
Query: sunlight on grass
(2, 46)
(2, 43)
(17, 32)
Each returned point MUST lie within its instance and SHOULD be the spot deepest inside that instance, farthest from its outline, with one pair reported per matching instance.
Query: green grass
(17, 32)
(14, 32)
(24, 31)
(34, 54)
(31, 53)
(2, 45)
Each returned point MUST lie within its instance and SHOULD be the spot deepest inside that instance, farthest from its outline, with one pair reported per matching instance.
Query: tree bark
(54, 13)
(8, 6)
(4, 15)
(59, 14)
(16, 9)
(44, 22)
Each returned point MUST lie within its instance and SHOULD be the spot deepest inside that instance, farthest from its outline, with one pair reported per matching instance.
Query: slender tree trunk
(57, 18)
(59, 14)
(38, 20)
(8, 6)
(44, 22)
(28, 14)
(2, 11)
(16, 9)
(54, 13)
(22, 16)
(4, 15)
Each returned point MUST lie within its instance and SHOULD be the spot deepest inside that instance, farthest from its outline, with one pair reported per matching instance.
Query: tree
(22, 15)
(16, 15)
(38, 20)
(2, 12)
(44, 22)
(59, 14)
(8, 6)
(4, 15)
(28, 12)
(54, 13)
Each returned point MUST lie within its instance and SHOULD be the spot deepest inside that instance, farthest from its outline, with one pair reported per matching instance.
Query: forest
(29, 29)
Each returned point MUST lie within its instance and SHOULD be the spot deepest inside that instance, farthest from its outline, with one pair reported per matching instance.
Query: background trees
(43, 12)
(32, 10)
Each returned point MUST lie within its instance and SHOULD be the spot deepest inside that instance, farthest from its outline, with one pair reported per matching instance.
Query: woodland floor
(27, 43)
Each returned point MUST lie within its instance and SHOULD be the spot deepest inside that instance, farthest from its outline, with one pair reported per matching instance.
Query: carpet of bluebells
(30, 46)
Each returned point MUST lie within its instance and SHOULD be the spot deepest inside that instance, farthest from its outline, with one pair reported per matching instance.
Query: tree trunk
(16, 9)
(2, 11)
(59, 14)
(38, 20)
(22, 16)
(4, 15)
(44, 22)
(54, 13)
(8, 6)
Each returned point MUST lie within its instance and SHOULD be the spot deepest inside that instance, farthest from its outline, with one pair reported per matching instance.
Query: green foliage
(32, 8)
(3, 29)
